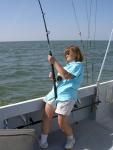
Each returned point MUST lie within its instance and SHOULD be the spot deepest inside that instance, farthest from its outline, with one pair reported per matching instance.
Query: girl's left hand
(50, 75)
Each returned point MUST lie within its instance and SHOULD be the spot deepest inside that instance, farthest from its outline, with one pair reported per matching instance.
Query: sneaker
(45, 145)
(70, 143)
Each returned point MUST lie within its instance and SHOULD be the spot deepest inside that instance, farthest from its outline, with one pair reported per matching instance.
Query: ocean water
(24, 67)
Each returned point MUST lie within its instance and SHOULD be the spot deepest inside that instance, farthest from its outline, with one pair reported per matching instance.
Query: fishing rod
(50, 53)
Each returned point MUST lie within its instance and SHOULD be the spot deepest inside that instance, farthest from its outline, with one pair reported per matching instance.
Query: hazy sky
(21, 20)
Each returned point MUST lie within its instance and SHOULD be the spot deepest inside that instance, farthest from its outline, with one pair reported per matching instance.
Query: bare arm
(59, 68)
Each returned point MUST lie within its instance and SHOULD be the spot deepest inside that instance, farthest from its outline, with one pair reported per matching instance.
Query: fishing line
(89, 39)
(77, 23)
(50, 53)
(94, 44)
(81, 39)
(88, 19)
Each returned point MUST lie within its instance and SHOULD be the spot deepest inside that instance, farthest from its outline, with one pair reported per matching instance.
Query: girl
(70, 77)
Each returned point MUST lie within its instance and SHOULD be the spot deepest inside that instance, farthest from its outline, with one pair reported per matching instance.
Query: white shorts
(63, 108)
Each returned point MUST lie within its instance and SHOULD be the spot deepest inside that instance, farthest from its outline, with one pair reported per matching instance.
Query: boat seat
(18, 139)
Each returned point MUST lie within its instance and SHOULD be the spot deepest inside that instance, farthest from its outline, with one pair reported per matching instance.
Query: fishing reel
(58, 78)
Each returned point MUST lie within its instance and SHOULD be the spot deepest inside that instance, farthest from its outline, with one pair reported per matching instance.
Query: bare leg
(66, 128)
(63, 124)
(47, 117)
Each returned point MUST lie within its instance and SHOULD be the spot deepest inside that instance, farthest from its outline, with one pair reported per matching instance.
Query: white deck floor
(89, 135)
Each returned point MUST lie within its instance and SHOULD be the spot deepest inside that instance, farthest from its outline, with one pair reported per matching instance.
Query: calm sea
(24, 67)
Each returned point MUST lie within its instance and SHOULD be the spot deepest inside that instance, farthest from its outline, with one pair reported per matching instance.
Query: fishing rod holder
(6, 123)
(76, 108)
(23, 119)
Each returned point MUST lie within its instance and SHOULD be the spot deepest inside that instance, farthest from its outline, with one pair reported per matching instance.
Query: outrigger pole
(105, 57)
(98, 79)
(50, 53)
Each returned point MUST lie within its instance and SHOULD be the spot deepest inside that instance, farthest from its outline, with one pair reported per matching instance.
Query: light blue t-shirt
(67, 89)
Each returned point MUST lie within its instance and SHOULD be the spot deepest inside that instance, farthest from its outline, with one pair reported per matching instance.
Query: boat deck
(93, 132)
(89, 135)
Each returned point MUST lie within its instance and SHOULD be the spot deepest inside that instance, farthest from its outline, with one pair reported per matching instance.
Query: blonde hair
(76, 50)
